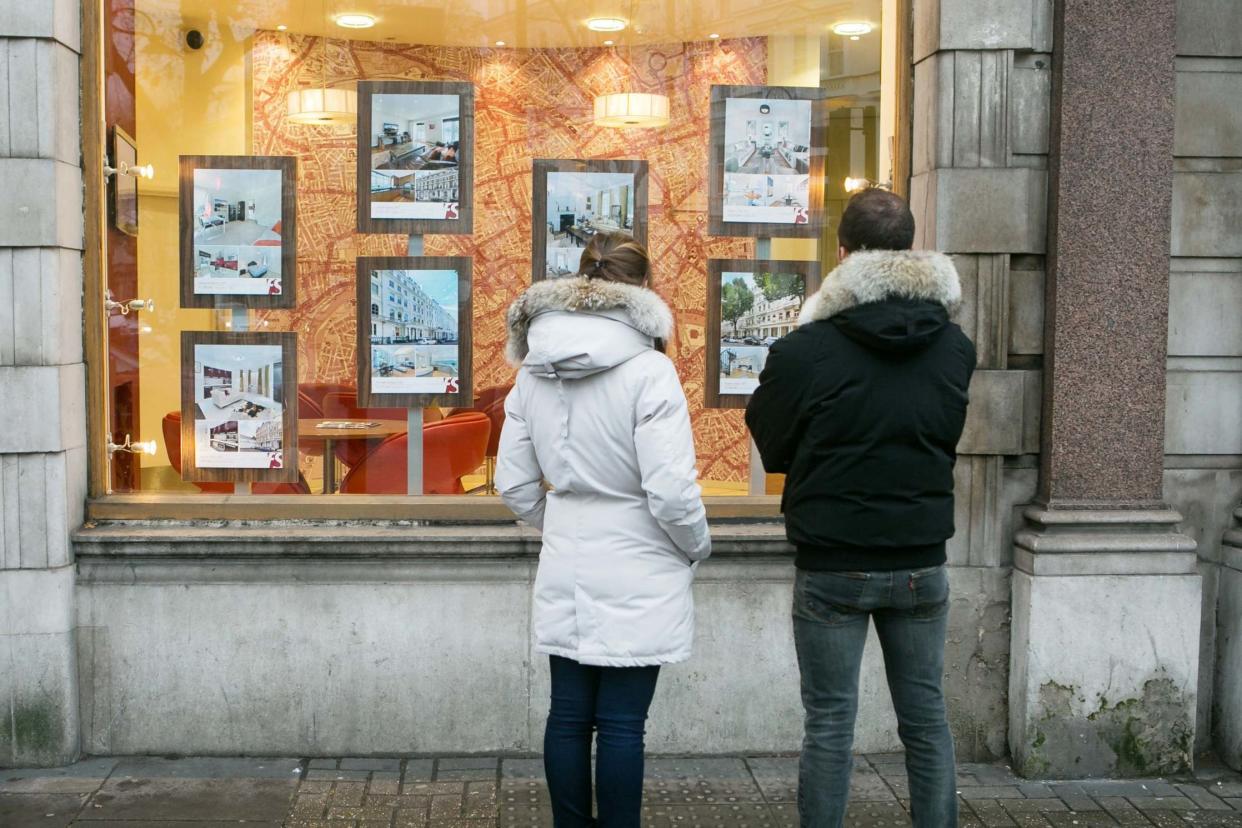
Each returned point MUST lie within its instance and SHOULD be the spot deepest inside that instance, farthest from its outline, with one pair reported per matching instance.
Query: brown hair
(617, 257)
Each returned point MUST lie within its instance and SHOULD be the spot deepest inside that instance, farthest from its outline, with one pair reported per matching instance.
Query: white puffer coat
(600, 416)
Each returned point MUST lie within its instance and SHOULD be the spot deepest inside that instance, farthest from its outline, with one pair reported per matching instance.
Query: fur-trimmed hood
(875, 275)
(569, 328)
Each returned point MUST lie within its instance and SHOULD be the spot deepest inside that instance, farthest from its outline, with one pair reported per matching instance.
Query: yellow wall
(188, 102)
(794, 61)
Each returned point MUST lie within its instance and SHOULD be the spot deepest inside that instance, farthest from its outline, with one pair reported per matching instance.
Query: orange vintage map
(529, 103)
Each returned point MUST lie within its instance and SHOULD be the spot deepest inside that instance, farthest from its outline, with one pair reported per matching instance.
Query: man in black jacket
(862, 407)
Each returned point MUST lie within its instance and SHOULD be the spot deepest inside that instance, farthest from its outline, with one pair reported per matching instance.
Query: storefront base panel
(194, 651)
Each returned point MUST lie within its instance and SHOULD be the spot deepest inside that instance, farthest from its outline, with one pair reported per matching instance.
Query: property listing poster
(767, 161)
(415, 346)
(239, 406)
(415, 156)
(238, 243)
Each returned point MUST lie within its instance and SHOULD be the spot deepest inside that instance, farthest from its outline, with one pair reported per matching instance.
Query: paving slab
(370, 764)
(39, 810)
(80, 777)
(196, 789)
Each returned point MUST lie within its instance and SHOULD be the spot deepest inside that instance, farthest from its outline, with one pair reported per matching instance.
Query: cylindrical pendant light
(631, 109)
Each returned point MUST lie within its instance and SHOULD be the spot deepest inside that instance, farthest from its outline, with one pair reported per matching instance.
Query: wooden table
(309, 430)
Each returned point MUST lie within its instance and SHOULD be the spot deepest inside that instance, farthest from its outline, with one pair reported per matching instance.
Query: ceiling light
(322, 106)
(500, 43)
(606, 24)
(852, 28)
(608, 42)
(355, 21)
(282, 28)
(631, 109)
(714, 36)
(855, 37)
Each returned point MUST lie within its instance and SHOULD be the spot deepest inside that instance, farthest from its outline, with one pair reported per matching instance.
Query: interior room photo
(415, 147)
(581, 204)
(238, 406)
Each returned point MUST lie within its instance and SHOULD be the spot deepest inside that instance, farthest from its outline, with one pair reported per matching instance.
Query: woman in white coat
(597, 452)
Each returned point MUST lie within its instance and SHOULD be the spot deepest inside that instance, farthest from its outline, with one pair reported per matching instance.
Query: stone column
(1106, 591)
(42, 405)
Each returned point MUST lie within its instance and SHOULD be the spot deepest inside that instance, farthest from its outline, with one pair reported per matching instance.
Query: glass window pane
(260, 82)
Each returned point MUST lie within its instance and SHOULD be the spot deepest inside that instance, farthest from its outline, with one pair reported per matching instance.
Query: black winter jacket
(862, 407)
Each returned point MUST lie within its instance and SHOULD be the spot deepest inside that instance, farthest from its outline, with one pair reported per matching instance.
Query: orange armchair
(452, 448)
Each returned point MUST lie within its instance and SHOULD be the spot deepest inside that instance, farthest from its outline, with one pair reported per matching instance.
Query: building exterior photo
(1078, 159)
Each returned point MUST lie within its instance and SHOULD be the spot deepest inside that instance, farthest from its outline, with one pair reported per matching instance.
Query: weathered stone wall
(982, 80)
(1203, 468)
(42, 454)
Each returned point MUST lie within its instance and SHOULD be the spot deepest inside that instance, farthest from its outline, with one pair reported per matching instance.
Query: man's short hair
(875, 219)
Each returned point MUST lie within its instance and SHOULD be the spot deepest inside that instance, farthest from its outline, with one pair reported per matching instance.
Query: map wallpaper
(529, 103)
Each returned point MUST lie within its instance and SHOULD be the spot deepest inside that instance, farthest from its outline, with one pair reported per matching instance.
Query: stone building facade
(1078, 158)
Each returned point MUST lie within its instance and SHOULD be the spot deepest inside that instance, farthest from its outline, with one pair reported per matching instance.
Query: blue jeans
(910, 609)
(614, 702)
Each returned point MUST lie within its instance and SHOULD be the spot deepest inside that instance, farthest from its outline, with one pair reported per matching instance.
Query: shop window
(250, 227)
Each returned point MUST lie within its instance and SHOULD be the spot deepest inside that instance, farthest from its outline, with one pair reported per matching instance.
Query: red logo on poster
(800, 216)
(450, 385)
(450, 211)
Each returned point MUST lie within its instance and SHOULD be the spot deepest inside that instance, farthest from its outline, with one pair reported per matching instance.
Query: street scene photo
(755, 311)
(581, 204)
(767, 160)
(237, 232)
(415, 155)
(414, 332)
(239, 405)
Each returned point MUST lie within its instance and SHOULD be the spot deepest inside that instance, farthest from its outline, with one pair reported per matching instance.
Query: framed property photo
(238, 231)
(767, 169)
(239, 406)
(574, 200)
(415, 157)
(414, 331)
(123, 189)
(750, 305)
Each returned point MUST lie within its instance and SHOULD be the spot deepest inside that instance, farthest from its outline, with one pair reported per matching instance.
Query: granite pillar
(1106, 589)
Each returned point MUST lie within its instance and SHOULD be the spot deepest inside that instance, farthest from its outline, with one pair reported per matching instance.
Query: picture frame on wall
(238, 231)
(573, 200)
(239, 407)
(414, 325)
(415, 157)
(768, 146)
(123, 189)
(750, 304)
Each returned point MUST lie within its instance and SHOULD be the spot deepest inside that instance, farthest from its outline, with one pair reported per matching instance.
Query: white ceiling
(520, 23)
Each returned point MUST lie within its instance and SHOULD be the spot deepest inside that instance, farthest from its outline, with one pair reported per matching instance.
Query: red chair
(343, 405)
(315, 392)
(491, 401)
(452, 448)
(172, 444)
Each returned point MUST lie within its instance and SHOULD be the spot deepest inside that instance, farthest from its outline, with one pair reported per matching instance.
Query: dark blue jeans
(614, 702)
(831, 612)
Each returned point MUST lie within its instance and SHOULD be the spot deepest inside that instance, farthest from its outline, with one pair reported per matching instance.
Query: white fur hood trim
(646, 310)
(874, 275)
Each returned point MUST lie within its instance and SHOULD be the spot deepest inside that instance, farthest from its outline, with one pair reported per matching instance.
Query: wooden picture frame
(458, 216)
(198, 247)
(541, 227)
(783, 319)
(123, 189)
(367, 312)
(719, 223)
(219, 401)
